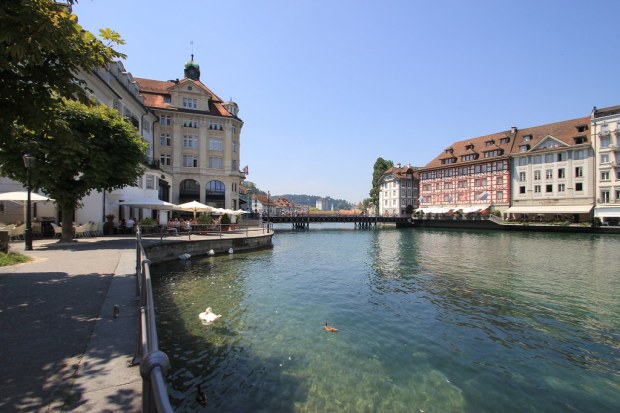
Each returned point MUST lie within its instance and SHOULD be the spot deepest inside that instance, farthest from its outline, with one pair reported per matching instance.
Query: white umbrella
(194, 206)
(21, 197)
(151, 203)
(238, 212)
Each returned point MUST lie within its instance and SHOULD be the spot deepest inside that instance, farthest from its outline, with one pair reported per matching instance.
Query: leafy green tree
(84, 148)
(381, 165)
(42, 48)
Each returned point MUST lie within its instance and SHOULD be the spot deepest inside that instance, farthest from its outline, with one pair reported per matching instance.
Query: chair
(81, 230)
(57, 230)
(17, 232)
(99, 230)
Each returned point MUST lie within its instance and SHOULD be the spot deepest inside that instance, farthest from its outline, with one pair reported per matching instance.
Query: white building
(606, 139)
(399, 191)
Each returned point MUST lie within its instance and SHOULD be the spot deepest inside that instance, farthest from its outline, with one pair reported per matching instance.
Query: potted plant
(225, 222)
(148, 225)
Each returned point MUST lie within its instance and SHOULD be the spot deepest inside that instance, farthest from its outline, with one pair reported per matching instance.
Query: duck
(211, 252)
(329, 328)
(201, 397)
(209, 316)
(230, 250)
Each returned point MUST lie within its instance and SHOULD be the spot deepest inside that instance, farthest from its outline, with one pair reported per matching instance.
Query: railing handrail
(154, 364)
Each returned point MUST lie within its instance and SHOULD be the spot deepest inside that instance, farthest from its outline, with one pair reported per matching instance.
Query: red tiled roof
(565, 131)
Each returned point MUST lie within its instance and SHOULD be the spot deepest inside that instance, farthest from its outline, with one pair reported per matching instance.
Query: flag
(246, 170)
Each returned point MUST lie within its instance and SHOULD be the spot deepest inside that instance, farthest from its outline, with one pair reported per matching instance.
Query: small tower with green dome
(192, 69)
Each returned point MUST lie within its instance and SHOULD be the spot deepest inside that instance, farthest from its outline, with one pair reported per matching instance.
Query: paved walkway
(61, 349)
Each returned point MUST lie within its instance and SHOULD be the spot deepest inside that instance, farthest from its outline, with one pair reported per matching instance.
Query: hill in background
(310, 200)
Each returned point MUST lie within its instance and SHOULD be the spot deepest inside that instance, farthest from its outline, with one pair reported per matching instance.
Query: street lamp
(29, 163)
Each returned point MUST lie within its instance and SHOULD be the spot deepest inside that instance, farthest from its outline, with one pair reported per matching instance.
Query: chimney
(513, 130)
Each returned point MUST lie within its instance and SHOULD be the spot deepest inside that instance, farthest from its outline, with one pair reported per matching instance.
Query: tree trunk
(67, 225)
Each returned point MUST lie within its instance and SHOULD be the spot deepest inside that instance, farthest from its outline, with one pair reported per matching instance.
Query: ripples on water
(433, 321)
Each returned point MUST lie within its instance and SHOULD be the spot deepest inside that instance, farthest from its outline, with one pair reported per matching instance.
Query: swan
(208, 316)
(185, 256)
(329, 328)
(211, 252)
(230, 251)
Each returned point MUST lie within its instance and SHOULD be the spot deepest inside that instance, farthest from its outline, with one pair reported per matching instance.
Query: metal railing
(154, 364)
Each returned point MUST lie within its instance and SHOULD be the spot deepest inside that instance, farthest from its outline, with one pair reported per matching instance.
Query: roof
(154, 92)
(399, 172)
(609, 111)
(564, 131)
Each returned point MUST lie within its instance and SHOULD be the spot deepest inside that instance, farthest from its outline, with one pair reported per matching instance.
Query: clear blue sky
(326, 87)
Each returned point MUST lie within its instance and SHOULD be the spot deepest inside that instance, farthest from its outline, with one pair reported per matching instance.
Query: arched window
(189, 190)
(215, 194)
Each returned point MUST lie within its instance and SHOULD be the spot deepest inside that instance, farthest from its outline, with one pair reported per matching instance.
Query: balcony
(151, 163)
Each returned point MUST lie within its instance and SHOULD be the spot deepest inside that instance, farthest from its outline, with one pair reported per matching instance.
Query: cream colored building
(399, 190)
(196, 139)
(606, 139)
(552, 172)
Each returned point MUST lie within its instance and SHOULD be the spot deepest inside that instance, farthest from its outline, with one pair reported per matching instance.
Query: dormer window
(469, 146)
(470, 157)
(582, 128)
(580, 140)
(524, 148)
(527, 138)
(167, 99)
(490, 142)
(449, 151)
(504, 140)
(448, 161)
(490, 154)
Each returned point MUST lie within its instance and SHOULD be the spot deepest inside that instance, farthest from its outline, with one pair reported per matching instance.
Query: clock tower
(192, 70)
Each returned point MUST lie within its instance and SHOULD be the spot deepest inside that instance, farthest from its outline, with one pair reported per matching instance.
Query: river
(428, 321)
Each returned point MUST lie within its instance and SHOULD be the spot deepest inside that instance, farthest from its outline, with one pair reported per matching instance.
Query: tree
(84, 148)
(381, 165)
(42, 48)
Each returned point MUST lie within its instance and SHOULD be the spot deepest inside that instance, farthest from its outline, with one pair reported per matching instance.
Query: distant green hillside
(311, 200)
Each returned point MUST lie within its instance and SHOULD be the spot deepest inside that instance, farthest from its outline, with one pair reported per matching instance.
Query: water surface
(429, 321)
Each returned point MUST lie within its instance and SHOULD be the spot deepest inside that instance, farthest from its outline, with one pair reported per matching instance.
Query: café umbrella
(194, 206)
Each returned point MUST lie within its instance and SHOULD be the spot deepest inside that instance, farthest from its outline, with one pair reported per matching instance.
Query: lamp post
(29, 163)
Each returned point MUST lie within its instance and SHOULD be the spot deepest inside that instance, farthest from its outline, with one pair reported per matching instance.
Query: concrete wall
(168, 250)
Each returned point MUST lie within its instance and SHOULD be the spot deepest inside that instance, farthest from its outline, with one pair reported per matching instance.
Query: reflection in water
(430, 320)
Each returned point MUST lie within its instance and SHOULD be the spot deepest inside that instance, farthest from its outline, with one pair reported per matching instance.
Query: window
(549, 174)
(490, 142)
(499, 195)
(165, 120)
(561, 156)
(499, 181)
(164, 160)
(167, 99)
(537, 175)
(604, 175)
(537, 189)
(582, 128)
(504, 140)
(490, 154)
(215, 125)
(521, 176)
(617, 194)
(447, 185)
(190, 103)
(561, 173)
(521, 189)
(190, 123)
(605, 142)
(448, 160)
(580, 140)
(469, 157)
(537, 159)
(527, 138)
(190, 141)
(605, 196)
(522, 161)
(578, 186)
(549, 158)
(461, 184)
(561, 187)
(524, 148)
(233, 164)
(579, 155)
(216, 144)
(618, 175)
(150, 182)
(190, 161)
(164, 139)
(548, 188)
(216, 163)
(234, 147)
(578, 171)
(604, 158)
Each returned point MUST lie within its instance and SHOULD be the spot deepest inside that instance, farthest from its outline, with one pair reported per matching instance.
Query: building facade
(606, 140)
(196, 139)
(552, 172)
(469, 176)
(399, 191)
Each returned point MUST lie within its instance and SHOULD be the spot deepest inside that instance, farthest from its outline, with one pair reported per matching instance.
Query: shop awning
(549, 209)
(607, 212)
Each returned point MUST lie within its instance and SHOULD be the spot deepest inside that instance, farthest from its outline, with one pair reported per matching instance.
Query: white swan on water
(208, 316)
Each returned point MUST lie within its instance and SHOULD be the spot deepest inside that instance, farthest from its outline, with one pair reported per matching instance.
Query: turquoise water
(429, 321)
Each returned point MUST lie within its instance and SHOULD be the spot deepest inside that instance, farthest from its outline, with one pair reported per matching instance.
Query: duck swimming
(208, 316)
(329, 328)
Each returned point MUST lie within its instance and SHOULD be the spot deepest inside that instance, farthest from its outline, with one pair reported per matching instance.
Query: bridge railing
(154, 364)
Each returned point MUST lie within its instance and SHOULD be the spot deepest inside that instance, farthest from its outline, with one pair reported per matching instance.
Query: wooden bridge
(362, 221)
